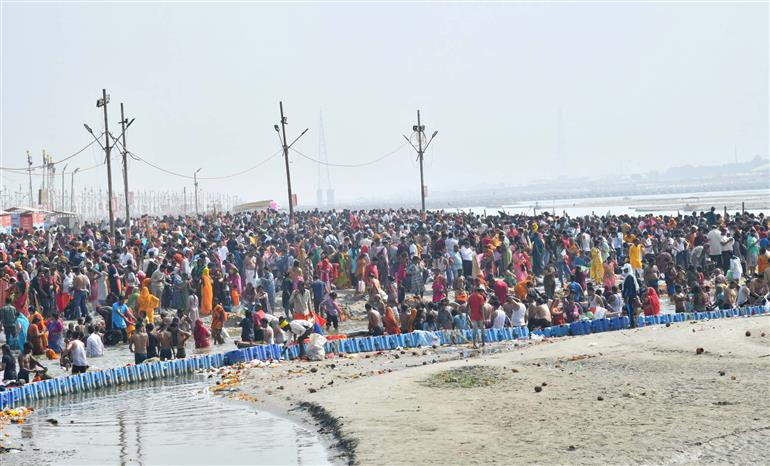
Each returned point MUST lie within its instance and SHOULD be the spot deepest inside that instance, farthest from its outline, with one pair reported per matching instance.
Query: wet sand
(633, 396)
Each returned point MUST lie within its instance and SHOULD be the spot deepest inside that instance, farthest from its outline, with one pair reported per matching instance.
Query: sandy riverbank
(660, 401)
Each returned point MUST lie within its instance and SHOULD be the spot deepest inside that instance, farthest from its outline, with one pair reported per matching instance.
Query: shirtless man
(138, 344)
(539, 315)
(164, 343)
(375, 321)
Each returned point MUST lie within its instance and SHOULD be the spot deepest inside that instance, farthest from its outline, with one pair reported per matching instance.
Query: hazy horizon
(638, 86)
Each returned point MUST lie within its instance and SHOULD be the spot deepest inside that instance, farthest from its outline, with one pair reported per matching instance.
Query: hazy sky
(643, 85)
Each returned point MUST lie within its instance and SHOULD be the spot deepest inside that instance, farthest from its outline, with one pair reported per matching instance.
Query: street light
(62, 185)
(72, 190)
(195, 177)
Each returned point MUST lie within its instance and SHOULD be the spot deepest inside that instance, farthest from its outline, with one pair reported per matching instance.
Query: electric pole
(62, 186)
(124, 124)
(418, 131)
(29, 163)
(195, 177)
(103, 103)
(72, 190)
(286, 147)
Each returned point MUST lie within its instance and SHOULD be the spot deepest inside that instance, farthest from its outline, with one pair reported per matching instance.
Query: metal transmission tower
(324, 157)
(561, 145)
(420, 143)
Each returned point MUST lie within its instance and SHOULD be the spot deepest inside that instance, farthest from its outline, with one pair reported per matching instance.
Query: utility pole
(195, 177)
(419, 131)
(286, 147)
(184, 202)
(62, 186)
(124, 124)
(72, 190)
(29, 163)
(103, 103)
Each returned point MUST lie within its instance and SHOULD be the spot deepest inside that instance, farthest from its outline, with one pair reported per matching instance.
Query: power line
(351, 165)
(26, 169)
(181, 175)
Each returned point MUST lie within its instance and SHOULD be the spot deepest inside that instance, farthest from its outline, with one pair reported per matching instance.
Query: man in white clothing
(94, 345)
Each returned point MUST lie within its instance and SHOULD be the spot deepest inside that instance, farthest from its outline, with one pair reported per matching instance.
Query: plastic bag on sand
(425, 338)
(315, 347)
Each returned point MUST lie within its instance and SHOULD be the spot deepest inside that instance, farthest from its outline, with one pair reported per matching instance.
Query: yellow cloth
(147, 303)
(597, 267)
(635, 256)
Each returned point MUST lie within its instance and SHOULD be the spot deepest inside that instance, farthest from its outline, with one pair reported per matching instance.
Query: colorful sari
(652, 304)
(207, 293)
(597, 266)
(147, 302)
(390, 323)
(343, 278)
(439, 288)
(55, 328)
(201, 335)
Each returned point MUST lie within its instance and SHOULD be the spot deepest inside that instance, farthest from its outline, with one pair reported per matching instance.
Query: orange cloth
(218, 317)
(390, 323)
(521, 290)
(207, 293)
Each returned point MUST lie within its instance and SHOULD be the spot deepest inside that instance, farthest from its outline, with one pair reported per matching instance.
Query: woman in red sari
(21, 296)
(651, 303)
(201, 335)
(439, 286)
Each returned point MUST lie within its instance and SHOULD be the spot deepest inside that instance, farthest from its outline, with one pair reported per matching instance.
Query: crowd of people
(172, 280)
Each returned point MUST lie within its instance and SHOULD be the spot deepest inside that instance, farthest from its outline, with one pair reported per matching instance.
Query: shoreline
(660, 401)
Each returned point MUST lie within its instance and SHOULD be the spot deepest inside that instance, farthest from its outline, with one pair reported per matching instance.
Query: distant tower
(324, 157)
(561, 145)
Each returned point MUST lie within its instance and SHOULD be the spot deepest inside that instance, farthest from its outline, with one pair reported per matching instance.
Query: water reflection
(160, 422)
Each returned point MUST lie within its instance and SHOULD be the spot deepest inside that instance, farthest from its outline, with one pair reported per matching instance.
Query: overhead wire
(351, 165)
(222, 177)
(36, 167)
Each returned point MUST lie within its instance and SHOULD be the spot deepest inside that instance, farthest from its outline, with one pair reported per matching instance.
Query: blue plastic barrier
(234, 357)
(28, 392)
(575, 328)
(51, 387)
(64, 386)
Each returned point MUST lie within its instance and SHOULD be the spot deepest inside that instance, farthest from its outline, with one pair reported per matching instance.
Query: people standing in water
(138, 344)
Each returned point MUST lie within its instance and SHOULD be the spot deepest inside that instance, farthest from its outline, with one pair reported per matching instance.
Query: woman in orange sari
(36, 335)
(218, 318)
(207, 293)
(390, 323)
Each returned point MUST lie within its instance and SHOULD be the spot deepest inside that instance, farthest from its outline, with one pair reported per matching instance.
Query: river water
(755, 200)
(160, 422)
